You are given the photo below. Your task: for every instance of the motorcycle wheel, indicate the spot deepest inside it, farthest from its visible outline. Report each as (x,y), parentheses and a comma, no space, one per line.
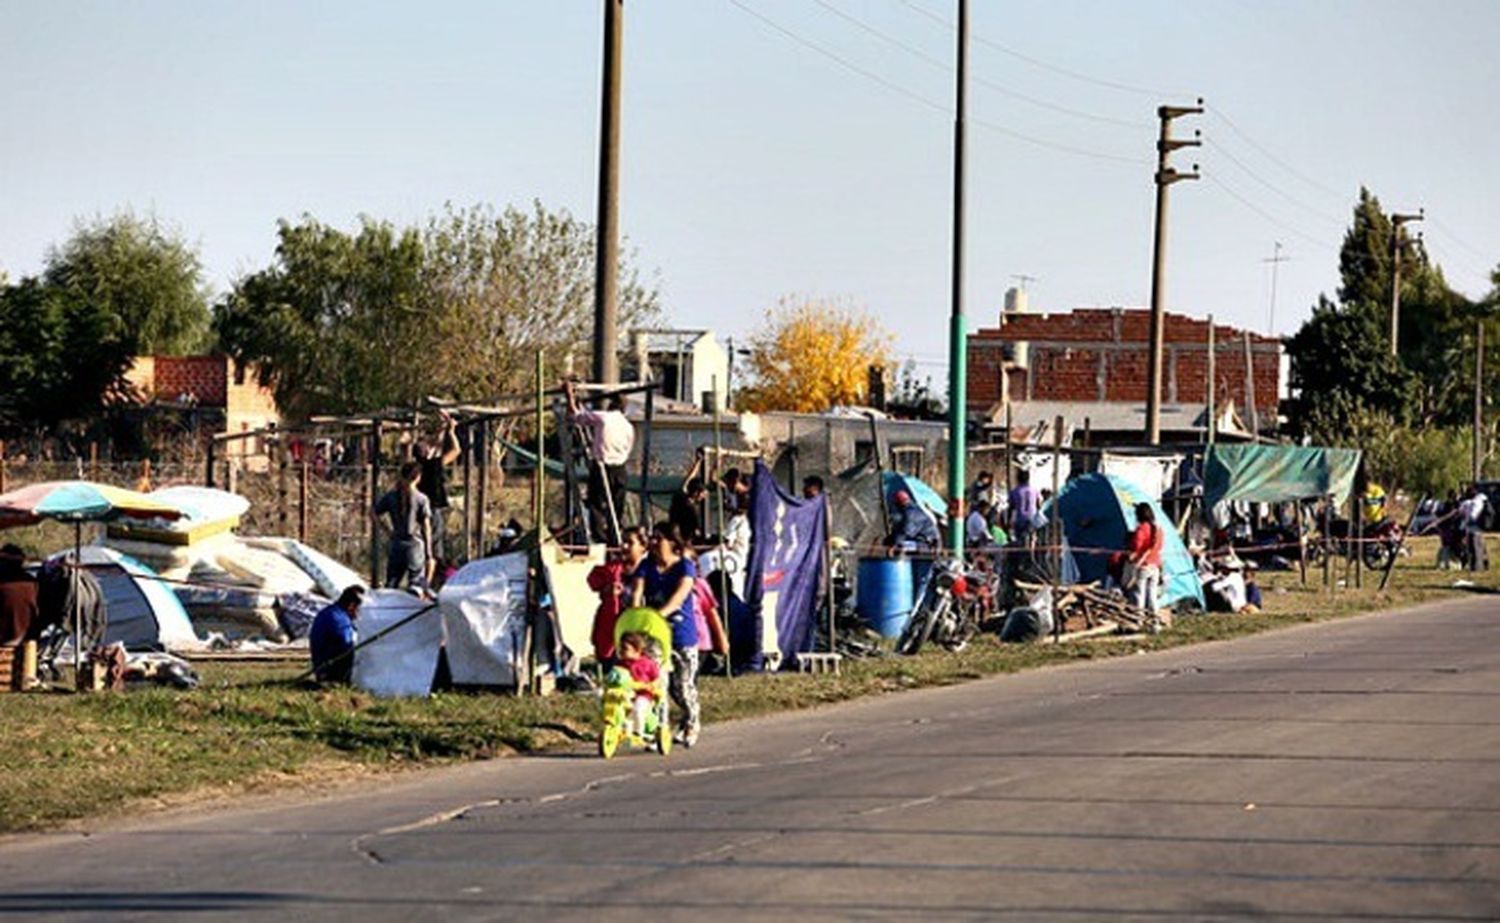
(919,629)
(1378,555)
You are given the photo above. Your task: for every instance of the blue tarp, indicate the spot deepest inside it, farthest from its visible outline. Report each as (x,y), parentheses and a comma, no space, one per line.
(927,498)
(1098,514)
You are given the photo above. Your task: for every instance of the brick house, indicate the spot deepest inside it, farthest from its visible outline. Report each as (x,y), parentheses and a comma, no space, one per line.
(1101,356)
(228,393)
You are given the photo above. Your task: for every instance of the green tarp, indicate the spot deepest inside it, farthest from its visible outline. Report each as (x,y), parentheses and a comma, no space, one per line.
(1274,473)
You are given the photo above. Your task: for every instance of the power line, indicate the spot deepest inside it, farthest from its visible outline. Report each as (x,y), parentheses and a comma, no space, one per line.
(1271,186)
(1044,65)
(1447,232)
(919,98)
(990,84)
(1229,123)
(1291,229)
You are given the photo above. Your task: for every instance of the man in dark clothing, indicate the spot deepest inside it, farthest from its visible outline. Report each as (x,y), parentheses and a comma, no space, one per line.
(436,456)
(18,597)
(812,487)
(332,638)
(684,511)
(410,530)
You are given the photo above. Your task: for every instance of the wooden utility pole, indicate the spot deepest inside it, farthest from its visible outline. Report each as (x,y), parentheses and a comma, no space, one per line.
(1250,388)
(1397,220)
(1166,175)
(374,481)
(607,249)
(1478,466)
(1212,381)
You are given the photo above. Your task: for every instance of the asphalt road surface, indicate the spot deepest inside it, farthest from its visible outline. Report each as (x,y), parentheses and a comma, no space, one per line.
(1349,770)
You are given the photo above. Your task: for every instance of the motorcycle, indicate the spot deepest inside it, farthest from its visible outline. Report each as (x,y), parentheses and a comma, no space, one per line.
(949,611)
(1379,545)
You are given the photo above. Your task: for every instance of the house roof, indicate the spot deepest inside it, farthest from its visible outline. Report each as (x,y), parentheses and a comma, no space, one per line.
(1116,416)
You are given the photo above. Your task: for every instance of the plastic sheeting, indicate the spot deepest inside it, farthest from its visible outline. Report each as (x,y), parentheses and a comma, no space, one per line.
(484,617)
(1154,474)
(1097,513)
(403,662)
(1273,474)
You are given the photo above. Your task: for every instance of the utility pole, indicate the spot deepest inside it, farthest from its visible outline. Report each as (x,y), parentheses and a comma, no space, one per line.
(1166,175)
(607,248)
(1276,259)
(1478,399)
(1212,381)
(958,359)
(1397,220)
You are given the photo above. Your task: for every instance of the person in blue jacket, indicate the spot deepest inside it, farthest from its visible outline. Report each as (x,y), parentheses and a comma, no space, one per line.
(332,637)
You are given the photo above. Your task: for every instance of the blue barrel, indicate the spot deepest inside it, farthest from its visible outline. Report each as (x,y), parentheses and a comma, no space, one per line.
(883,594)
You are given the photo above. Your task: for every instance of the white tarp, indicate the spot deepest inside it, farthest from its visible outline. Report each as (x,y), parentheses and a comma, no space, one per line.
(404,661)
(484,617)
(1153,474)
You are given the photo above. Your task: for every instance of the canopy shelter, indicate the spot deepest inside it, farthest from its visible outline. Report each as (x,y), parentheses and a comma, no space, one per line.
(1275,474)
(78,502)
(1098,515)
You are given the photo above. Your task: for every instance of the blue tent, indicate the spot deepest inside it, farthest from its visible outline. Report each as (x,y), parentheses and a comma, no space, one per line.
(1098,513)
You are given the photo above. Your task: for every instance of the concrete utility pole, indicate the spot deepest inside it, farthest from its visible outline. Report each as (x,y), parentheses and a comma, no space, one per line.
(607,249)
(1397,220)
(958,361)
(1165,176)
(1276,259)
(1213,372)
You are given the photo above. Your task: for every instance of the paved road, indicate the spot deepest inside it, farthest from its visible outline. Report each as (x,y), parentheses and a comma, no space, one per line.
(1346,771)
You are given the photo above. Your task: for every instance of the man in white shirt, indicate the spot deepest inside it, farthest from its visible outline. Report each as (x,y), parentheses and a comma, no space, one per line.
(611,437)
(1472,513)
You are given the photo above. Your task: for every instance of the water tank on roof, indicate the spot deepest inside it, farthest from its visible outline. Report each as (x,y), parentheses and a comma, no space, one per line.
(1015,301)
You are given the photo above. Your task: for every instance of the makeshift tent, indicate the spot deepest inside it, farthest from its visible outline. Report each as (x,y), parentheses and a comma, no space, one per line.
(1154,474)
(1098,513)
(784,575)
(1273,473)
(927,498)
(404,661)
(142,612)
(484,619)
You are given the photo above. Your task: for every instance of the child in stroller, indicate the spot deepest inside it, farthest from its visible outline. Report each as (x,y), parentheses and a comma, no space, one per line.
(634,704)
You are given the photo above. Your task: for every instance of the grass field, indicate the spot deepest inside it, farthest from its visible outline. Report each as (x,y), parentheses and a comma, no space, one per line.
(249,728)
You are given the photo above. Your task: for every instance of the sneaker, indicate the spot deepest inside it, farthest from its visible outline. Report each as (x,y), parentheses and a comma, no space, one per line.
(690,738)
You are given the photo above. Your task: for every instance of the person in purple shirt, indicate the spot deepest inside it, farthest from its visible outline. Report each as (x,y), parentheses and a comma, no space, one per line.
(664,581)
(1025,503)
(332,638)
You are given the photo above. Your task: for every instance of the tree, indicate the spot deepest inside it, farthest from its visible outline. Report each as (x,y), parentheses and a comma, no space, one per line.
(340,323)
(812,355)
(142,273)
(60,356)
(386,316)
(1341,365)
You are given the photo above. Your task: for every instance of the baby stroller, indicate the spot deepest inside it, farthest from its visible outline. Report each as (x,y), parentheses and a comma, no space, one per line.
(615,724)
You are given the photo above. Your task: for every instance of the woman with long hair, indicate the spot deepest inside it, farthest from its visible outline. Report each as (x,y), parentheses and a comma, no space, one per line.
(1144,561)
(410,530)
(614,581)
(664,581)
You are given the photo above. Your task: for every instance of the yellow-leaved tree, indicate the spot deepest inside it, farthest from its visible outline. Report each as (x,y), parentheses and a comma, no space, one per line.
(813,354)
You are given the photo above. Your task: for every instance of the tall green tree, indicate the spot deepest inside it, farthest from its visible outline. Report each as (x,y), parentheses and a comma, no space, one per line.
(141,272)
(61,357)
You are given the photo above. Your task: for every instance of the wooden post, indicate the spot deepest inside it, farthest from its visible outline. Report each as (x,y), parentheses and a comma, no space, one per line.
(1250,389)
(482,489)
(374,485)
(539,477)
(282,516)
(1302,541)
(303,472)
(93,461)
(719,494)
(1009,462)
(468,447)
(1328,542)
(1054,523)
(828,464)
(791,440)
(1357,527)
(208,465)
(885,514)
(1213,384)
(646,457)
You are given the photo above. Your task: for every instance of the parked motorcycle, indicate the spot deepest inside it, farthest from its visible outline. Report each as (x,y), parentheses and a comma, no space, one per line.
(949,612)
(1380,543)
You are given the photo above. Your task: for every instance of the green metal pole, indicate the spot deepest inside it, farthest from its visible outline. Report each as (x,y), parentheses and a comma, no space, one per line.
(957,330)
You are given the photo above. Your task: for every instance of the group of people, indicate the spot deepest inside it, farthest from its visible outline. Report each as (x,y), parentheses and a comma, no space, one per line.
(1461,522)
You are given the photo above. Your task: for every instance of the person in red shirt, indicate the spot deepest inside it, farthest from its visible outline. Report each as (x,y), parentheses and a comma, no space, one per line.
(1143,566)
(608,580)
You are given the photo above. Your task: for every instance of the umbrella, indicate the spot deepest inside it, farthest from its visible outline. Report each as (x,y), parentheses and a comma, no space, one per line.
(79,502)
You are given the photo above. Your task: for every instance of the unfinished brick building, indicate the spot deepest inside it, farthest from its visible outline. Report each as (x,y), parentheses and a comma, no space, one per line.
(229,393)
(1101,356)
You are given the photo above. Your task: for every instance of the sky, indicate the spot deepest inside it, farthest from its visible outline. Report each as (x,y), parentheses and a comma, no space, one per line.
(777,148)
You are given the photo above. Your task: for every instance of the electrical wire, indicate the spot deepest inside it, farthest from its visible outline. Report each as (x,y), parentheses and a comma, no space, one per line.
(1044,65)
(990,84)
(1210,142)
(1289,228)
(923,100)
(1229,123)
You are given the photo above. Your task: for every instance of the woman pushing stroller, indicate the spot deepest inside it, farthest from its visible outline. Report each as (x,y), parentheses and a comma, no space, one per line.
(664,582)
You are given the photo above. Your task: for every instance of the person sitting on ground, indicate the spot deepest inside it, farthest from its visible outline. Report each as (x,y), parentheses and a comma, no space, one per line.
(912,528)
(332,638)
(611,581)
(410,514)
(812,487)
(643,673)
(684,511)
(977,525)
